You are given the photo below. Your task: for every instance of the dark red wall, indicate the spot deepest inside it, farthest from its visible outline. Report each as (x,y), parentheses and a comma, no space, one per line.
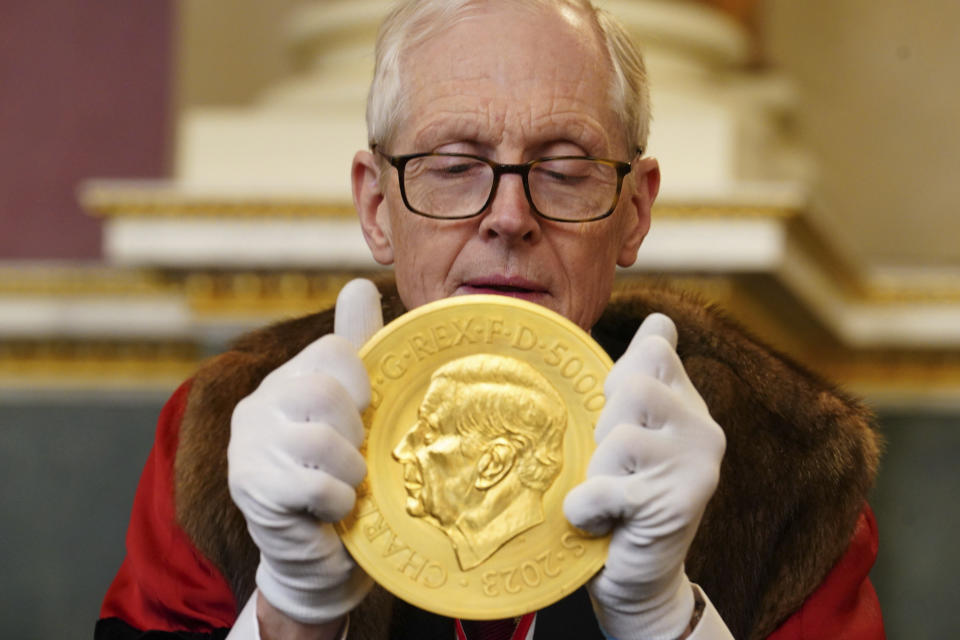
(85,91)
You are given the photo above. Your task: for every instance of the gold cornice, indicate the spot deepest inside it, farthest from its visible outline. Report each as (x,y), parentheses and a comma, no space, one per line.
(734,211)
(254,208)
(95,363)
(760,304)
(213,292)
(900,296)
(107,201)
(254,298)
(224,300)
(893,378)
(81,280)
(853,284)
(165,199)
(251,294)
(219,208)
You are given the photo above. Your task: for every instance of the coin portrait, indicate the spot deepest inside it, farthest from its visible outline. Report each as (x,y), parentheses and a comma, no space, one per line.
(481,420)
(486,445)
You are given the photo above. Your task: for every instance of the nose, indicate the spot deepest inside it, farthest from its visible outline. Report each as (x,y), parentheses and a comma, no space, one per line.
(403,450)
(510,216)
(406,448)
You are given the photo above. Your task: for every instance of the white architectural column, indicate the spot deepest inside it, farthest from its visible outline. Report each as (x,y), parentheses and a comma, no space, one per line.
(716,128)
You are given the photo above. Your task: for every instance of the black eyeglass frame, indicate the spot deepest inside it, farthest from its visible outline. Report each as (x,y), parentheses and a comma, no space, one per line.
(523,170)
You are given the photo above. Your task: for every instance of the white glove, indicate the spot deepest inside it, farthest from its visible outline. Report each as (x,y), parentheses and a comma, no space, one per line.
(655,468)
(294,465)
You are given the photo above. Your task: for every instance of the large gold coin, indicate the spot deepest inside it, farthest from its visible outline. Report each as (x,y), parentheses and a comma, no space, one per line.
(481,420)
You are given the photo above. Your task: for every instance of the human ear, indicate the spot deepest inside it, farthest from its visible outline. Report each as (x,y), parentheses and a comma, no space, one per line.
(642,193)
(494,463)
(368,199)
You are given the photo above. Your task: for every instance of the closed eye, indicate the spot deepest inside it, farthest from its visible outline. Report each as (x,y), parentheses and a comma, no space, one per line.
(565,178)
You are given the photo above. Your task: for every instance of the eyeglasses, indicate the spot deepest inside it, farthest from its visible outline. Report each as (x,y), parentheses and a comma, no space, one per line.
(453,186)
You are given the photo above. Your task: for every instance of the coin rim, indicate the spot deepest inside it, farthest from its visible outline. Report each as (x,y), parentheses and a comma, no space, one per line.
(485,298)
(526,307)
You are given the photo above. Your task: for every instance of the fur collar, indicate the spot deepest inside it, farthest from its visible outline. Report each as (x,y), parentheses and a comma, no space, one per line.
(801,457)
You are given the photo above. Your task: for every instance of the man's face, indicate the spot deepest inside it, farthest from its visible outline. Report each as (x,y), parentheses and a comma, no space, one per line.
(439,468)
(511,85)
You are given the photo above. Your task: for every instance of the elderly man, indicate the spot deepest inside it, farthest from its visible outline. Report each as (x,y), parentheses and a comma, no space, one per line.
(506,157)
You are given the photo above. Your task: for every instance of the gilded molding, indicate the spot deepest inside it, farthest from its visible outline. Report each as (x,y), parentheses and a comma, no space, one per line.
(257,294)
(222,209)
(69,280)
(733,211)
(223,297)
(26,363)
(119,202)
(152,202)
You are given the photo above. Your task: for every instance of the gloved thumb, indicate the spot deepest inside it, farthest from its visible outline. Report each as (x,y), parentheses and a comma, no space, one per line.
(358,315)
(656,324)
(595,505)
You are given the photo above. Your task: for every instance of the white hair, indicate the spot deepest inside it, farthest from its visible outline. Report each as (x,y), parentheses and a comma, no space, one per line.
(412,22)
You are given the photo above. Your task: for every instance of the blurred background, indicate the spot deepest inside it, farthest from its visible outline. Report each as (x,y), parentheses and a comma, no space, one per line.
(174,173)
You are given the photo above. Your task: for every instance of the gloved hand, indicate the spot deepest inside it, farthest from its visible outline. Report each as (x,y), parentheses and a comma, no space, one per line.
(655,468)
(294,465)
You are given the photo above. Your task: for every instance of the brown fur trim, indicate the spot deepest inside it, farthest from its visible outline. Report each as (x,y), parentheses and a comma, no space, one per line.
(801,457)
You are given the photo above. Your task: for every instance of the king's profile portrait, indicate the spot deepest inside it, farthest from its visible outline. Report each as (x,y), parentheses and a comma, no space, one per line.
(486,446)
